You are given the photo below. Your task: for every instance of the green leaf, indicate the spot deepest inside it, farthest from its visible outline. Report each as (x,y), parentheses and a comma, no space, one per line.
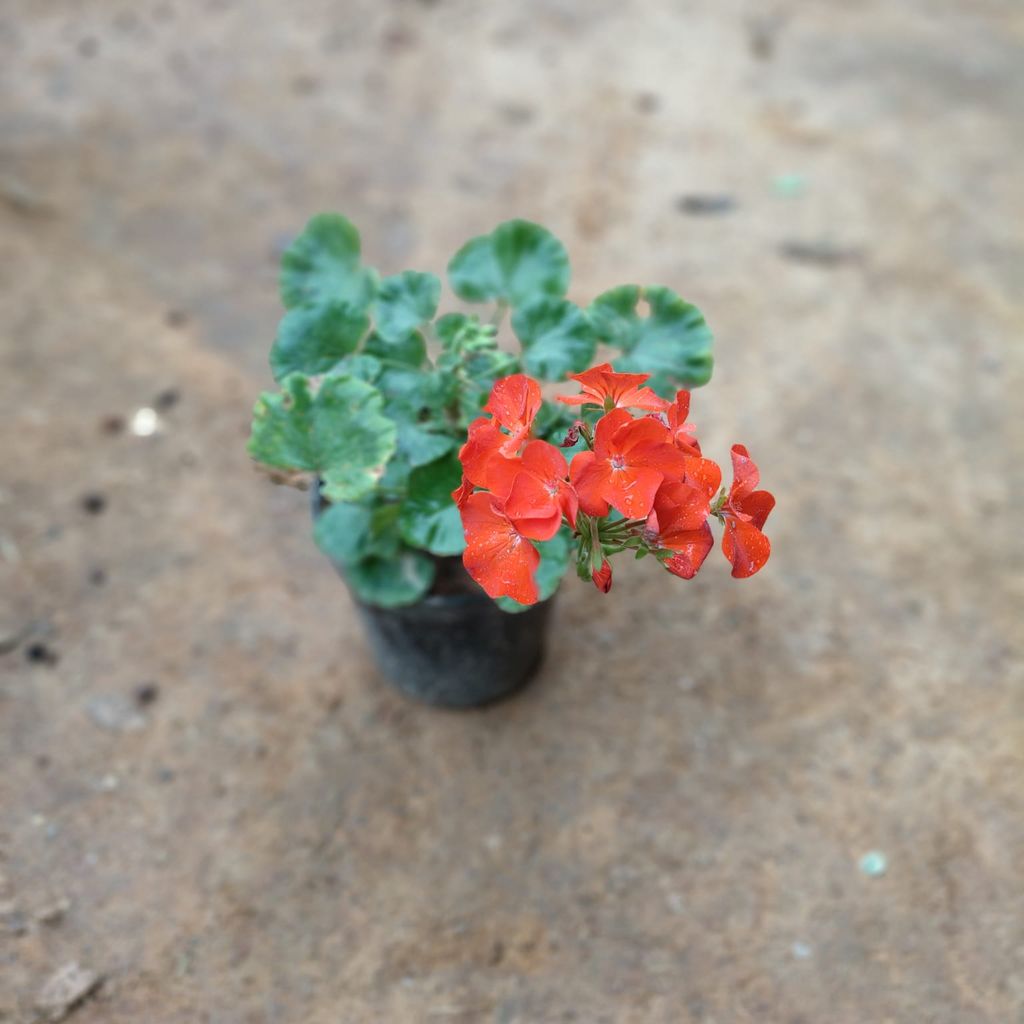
(402,579)
(673,343)
(412,394)
(410,350)
(322,265)
(343,532)
(555,555)
(405,302)
(338,431)
(358,365)
(429,518)
(420,445)
(311,340)
(517,262)
(557,338)
(613,315)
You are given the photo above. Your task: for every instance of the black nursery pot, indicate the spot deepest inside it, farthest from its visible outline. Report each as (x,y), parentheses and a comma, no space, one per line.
(456,648)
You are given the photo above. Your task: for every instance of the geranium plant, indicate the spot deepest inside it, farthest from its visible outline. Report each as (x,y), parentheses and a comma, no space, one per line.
(390,410)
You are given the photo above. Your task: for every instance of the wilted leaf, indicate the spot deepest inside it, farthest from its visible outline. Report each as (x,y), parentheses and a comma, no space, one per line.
(338,431)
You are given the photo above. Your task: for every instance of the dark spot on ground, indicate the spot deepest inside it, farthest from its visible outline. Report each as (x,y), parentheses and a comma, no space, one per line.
(97,576)
(647,102)
(146,693)
(127,22)
(167,399)
(41,654)
(823,254)
(176,318)
(516,113)
(399,37)
(762,33)
(88,47)
(705,205)
(94,503)
(112,424)
(304,85)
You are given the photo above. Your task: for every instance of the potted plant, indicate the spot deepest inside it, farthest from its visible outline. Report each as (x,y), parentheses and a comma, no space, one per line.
(451,495)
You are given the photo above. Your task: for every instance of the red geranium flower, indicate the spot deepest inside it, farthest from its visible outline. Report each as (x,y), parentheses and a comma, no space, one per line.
(537,484)
(499,555)
(603,577)
(630,460)
(744,513)
(604,387)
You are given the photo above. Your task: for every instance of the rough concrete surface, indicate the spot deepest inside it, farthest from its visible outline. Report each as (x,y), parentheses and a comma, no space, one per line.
(208,799)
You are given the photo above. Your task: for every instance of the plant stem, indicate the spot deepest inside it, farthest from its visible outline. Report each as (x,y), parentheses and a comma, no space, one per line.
(500,309)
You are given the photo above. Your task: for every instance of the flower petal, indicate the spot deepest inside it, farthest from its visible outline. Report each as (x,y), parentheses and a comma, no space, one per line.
(588,475)
(630,490)
(514,402)
(757,506)
(704,474)
(745,476)
(483,443)
(745,546)
(530,498)
(540,527)
(680,508)
(606,428)
(497,556)
(691,550)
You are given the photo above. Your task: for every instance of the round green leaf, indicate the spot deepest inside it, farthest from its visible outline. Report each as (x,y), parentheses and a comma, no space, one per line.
(405,302)
(557,338)
(517,262)
(323,265)
(311,340)
(402,579)
(554,560)
(338,431)
(673,344)
(428,517)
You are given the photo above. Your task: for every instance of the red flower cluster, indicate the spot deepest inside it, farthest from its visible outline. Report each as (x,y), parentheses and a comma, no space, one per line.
(648,468)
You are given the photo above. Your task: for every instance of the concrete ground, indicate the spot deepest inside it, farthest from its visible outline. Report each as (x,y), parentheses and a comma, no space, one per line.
(208,799)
